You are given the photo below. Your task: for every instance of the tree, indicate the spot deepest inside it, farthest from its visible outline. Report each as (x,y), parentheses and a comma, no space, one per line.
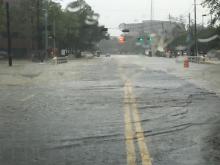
(77,26)
(56,18)
(2,16)
(84,31)
(214,6)
(21,15)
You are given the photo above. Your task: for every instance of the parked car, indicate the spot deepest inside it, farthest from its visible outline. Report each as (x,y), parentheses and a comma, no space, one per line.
(98,53)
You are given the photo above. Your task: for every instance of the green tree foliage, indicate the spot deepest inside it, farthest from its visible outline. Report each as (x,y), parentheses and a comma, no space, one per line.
(2,16)
(21,15)
(206,33)
(183,40)
(77,26)
(83,31)
(214,6)
(180,40)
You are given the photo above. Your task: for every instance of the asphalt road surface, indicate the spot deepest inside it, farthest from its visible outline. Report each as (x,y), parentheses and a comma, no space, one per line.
(106,111)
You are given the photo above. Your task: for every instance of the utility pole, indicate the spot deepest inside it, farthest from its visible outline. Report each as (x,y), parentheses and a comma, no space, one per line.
(189,51)
(8,34)
(151,15)
(189,21)
(202,22)
(54,34)
(46,28)
(170,18)
(151,27)
(151,11)
(195,31)
(164,31)
(38,26)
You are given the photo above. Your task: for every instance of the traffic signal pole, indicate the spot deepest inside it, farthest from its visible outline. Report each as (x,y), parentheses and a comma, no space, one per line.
(8,34)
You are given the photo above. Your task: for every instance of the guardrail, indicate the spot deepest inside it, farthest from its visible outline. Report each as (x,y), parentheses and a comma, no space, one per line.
(60,60)
(197,59)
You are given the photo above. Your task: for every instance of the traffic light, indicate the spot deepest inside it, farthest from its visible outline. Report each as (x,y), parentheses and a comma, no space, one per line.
(121,39)
(140,39)
(149,39)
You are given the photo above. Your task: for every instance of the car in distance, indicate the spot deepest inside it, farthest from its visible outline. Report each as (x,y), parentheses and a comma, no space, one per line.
(107,55)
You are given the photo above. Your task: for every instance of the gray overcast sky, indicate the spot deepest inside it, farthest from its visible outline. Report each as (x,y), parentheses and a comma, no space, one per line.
(114,12)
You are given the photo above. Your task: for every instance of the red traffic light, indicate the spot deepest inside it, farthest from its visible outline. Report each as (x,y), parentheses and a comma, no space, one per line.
(121,39)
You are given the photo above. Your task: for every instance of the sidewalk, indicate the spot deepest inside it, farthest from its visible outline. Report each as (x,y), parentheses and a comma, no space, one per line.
(25,72)
(203,75)
(215,62)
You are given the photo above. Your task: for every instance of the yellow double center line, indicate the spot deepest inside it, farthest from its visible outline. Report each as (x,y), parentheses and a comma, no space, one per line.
(133,128)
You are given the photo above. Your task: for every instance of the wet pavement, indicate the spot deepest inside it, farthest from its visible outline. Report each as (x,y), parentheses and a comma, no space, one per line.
(118,110)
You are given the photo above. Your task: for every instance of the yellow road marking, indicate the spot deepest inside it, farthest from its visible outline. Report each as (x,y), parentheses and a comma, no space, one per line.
(145,155)
(131,112)
(129,135)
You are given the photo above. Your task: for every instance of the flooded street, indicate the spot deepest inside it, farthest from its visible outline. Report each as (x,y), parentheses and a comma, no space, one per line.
(118,110)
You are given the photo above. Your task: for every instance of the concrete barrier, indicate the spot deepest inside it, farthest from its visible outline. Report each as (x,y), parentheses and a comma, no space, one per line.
(60,60)
(197,59)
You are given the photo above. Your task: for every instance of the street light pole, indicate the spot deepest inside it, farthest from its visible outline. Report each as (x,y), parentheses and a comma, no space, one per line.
(190,32)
